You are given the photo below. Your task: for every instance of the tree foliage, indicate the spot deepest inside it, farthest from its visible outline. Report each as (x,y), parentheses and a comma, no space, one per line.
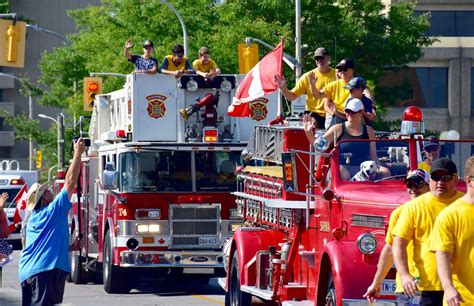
(359,29)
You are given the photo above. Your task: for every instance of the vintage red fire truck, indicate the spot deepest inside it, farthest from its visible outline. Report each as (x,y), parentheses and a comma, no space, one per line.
(311,237)
(155,186)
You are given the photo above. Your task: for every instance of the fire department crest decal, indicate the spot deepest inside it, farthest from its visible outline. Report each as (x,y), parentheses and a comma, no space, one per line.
(156,106)
(258,109)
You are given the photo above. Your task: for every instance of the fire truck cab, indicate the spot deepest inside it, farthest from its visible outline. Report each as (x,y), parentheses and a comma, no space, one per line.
(155,186)
(312,237)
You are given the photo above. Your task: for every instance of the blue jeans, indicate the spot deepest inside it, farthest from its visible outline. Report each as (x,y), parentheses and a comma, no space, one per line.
(427,298)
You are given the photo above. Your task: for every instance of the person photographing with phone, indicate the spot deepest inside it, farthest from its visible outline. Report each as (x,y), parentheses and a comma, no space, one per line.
(44,263)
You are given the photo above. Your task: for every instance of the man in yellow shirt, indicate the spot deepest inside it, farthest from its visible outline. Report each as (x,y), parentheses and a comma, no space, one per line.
(453,242)
(319,77)
(431,149)
(417,183)
(204,65)
(415,225)
(176,64)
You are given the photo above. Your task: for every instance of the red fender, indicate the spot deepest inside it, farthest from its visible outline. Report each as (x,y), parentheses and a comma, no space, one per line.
(246,242)
(352,270)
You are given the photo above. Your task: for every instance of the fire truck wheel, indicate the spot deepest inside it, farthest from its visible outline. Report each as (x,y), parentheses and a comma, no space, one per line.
(331,292)
(78,275)
(115,280)
(236,296)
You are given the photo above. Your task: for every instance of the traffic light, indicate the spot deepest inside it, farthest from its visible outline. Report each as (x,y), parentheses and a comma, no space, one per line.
(12,51)
(248,57)
(92,87)
(39,157)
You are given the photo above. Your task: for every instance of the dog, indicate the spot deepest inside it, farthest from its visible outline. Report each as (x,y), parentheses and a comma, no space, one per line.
(368,171)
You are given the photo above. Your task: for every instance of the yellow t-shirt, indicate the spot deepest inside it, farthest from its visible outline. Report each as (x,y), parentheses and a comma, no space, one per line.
(424,166)
(389,240)
(303,87)
(415,224)
(336,92)
(453,233)
(172,66)
(210,66)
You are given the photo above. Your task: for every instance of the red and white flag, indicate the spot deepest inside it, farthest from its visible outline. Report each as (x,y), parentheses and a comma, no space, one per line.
(258,82)
(20,209)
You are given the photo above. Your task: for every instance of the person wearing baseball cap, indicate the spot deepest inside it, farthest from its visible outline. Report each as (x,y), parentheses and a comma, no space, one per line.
(452,241)
(356,87)
(143,63)
(44,263)
(415,226)
(417,183)
(310,84)
(431,150)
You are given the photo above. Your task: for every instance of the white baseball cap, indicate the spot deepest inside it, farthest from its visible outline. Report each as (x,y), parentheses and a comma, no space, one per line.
(354,105)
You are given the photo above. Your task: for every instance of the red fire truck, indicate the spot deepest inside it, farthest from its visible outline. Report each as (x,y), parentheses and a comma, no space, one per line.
(155,186)
(311,237)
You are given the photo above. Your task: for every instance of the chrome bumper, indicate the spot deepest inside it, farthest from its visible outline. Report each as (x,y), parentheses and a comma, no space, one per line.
(172,259)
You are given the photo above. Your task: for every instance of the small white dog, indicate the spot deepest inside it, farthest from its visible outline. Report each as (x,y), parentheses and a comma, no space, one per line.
(368,171)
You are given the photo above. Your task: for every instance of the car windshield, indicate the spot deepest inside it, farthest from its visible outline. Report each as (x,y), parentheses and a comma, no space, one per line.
(12,192)
(172,171)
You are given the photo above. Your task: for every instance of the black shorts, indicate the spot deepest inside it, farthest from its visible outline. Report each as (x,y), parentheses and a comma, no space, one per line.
(320,120)
(336,119)
(45,288)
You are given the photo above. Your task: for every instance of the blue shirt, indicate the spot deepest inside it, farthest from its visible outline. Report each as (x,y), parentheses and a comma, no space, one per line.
(47,239)
(142,63)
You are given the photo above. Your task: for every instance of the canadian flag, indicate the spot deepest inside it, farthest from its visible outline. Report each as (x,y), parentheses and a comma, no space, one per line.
(258,82)
(20,199)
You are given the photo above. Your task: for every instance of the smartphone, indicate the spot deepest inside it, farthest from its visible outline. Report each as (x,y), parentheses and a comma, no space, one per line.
(87,141)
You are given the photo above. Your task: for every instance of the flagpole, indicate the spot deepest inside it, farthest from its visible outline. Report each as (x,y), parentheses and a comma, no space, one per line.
(298,69)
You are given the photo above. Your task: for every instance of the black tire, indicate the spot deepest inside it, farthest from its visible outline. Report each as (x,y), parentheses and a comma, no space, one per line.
(331,291)
(78,274)
(236,296)
(115,280)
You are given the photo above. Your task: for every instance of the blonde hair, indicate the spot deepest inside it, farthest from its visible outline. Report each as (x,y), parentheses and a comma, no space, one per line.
(203,50)
(469,167)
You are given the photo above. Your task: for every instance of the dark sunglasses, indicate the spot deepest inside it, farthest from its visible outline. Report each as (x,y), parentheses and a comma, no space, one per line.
(442,178)
(148,47)
(416,185)
(179,54)
(319,58)
(348,111)
(342,68)
(431,149)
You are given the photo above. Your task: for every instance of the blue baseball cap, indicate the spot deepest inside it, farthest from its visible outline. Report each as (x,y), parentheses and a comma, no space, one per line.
(148,43)
(356,82)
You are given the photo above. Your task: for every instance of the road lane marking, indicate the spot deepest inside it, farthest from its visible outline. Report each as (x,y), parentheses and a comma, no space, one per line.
(203,297)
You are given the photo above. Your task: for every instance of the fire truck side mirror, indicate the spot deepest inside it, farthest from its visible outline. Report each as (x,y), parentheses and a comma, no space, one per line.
(108,176)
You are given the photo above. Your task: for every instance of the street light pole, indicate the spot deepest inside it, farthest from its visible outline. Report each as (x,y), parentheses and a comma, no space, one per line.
(60,128)
(183,26)
(30,117)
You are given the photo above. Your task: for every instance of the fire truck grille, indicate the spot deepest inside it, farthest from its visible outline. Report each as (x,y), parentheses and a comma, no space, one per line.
(195,226)
(368,221)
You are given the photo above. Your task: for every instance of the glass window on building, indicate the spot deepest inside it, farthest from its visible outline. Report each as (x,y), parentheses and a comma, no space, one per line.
(472,92)
(418,86)
(450,23)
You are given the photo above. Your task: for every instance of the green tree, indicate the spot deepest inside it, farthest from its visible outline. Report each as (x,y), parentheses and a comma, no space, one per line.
(359,29)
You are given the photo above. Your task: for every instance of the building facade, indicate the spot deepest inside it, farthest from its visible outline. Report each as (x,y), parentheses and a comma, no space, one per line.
(442,81)
(50,15)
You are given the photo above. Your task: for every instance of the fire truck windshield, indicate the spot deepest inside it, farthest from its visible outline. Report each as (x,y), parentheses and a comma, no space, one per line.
(177,171)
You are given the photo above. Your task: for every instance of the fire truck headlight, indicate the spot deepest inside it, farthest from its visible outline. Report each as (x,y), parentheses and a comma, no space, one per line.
(367,243)
(154,228)
(226,86)
(142,228)
(192,85)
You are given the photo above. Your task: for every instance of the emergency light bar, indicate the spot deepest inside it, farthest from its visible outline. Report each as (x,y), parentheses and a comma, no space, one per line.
(412,121)
(210,134)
